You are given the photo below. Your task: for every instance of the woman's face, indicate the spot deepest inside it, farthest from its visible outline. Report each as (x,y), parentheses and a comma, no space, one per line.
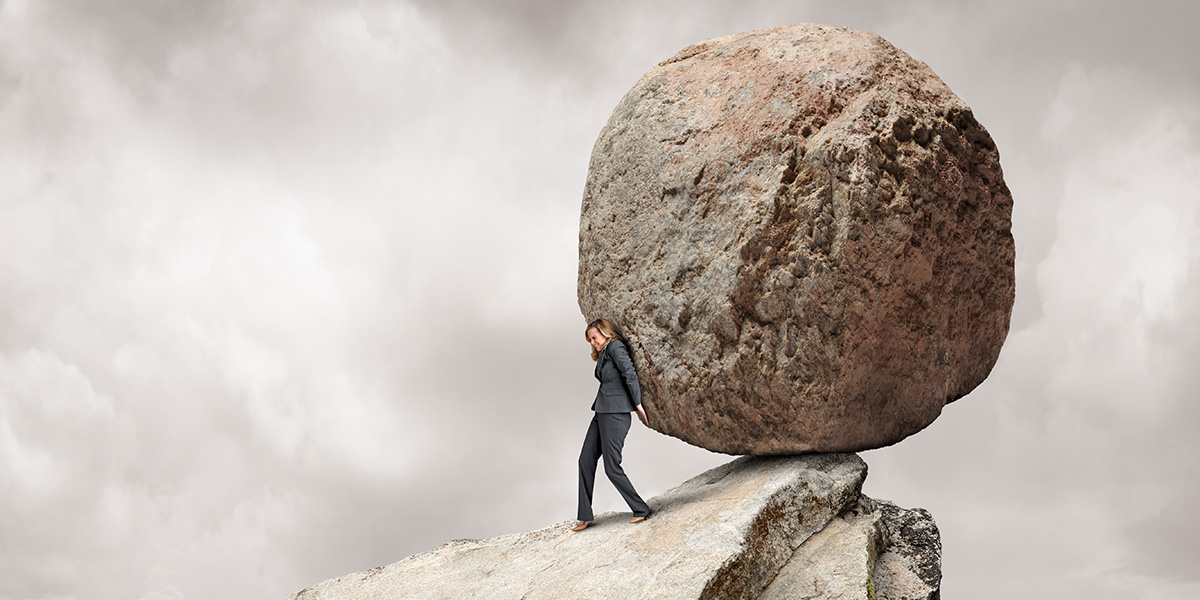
(596,339)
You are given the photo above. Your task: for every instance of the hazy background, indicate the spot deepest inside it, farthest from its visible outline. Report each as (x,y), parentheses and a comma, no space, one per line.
(287,289)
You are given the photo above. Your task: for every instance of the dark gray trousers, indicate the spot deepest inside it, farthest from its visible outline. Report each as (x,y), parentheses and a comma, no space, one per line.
(606,437)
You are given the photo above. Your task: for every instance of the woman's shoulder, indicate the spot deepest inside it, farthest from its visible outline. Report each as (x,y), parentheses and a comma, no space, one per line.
(618,347)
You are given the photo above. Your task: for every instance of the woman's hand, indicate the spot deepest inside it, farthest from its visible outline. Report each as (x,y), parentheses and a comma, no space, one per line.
(642,415)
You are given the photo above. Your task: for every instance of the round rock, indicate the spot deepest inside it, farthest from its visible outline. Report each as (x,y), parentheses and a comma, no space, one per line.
(805,237)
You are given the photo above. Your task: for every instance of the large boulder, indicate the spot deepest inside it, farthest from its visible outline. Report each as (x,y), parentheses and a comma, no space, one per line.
(755,527)
(805,236)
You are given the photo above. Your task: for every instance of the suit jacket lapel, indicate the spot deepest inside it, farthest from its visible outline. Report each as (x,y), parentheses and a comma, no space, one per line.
(600,360)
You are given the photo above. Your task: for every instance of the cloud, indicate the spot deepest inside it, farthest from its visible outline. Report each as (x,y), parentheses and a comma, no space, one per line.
(187,287)
(288,291)
(274,251)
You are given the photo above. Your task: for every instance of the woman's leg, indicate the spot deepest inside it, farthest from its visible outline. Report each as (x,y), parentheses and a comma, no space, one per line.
(613,429)
(587,469)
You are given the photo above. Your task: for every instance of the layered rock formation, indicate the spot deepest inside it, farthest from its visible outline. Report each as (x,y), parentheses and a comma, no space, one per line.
(805,235)
(758,527)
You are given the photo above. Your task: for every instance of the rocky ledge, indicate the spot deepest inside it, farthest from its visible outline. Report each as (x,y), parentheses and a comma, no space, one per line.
(757,527)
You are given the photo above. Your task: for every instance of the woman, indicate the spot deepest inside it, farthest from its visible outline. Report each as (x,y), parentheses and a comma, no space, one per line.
(618,396)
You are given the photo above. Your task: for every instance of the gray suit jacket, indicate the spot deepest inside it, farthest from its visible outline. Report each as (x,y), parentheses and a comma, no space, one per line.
(619,390)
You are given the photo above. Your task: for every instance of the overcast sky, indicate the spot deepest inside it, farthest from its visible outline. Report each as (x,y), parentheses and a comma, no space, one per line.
(287,289)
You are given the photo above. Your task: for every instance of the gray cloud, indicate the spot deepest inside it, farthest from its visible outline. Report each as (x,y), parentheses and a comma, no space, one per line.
(288,292)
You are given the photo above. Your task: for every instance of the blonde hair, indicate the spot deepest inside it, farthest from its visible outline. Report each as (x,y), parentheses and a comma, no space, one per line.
(606,329)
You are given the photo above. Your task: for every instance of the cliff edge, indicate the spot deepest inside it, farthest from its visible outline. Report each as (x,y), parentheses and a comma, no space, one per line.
(754,528)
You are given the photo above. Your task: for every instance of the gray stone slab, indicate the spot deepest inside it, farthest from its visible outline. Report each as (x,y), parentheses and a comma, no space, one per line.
(723,534)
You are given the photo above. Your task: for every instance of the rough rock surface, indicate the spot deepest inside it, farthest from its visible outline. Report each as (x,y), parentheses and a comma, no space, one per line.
(805,235)
(847,549)
(910,566)
(874,550)
(727,533)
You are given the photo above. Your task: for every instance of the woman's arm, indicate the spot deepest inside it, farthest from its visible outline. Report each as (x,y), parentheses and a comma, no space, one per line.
(620,356)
